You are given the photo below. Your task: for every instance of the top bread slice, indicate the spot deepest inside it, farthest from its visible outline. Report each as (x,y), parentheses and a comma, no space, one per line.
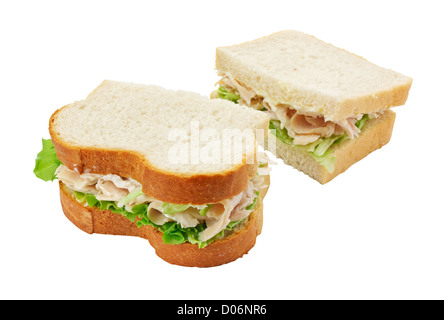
(290,67)
(134,130)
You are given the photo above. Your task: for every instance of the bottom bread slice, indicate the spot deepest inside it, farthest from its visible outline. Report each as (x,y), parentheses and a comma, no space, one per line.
(227,249)
(375,134)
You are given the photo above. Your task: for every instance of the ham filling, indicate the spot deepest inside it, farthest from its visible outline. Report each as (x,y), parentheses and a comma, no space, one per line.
(303,128)
(112,187)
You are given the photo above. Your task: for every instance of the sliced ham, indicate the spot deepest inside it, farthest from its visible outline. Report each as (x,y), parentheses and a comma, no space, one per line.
(155,214)
(304,129)
(108,191)
(246,93)
(188,218)
(304,139)
(302,124)
(218,217)
(77,182)
(240,210)
(112,187)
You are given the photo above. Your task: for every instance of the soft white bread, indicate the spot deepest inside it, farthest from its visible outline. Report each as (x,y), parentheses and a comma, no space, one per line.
(375,134)
(294,68)
(233,246)
(130,130)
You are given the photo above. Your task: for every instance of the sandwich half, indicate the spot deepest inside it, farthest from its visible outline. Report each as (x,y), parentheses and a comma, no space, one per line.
(328,108)
(145,161)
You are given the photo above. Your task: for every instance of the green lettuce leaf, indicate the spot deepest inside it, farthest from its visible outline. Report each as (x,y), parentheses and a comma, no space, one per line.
(46,162)
(130,197)
(171,208)
(253,204)
(324,144)
(232,224)
(360,122)
(203,212)
(80,196)
(141,213)
(92,202)
(280,133)
(172,233)
(227,95)
(321,150)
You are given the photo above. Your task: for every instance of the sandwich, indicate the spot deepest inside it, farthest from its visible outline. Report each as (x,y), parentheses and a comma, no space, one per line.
(126,165)
(328,108)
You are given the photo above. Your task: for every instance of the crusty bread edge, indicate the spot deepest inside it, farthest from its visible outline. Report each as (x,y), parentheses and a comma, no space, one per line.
(375,134)
(163,185)
(228,249)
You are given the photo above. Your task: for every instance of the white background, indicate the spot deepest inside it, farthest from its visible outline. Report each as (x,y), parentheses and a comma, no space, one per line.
(375,232)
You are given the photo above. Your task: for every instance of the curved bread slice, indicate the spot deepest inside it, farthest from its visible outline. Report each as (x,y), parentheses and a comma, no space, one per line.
(133,131)
(375,134)
(230,248)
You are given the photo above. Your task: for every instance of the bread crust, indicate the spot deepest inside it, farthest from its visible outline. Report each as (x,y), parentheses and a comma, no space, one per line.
(163,185)
(375,134)
(228,249)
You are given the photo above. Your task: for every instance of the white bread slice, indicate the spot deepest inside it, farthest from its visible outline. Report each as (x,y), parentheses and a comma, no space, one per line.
(123,128)
(375,134)
(290,67)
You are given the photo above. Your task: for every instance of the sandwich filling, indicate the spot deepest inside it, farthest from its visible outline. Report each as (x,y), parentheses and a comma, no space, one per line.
(310,132)
(197,224)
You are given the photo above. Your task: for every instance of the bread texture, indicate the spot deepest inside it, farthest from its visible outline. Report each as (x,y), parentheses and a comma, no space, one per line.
(314,77)
(225,250)
(125,129)
(375,134)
